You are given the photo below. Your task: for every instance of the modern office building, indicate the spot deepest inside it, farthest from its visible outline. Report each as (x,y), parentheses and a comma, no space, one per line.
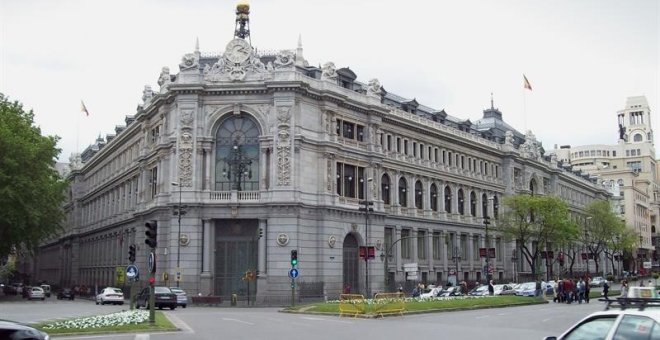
(266,154)
(630,168)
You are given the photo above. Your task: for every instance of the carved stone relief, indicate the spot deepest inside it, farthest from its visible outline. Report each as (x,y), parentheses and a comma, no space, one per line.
(238,63)
(284,59)
(283,146)
(329,72)
(374,88)
(185,157)
(189,61)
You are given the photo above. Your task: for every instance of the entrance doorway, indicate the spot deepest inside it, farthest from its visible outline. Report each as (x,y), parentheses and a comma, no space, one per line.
(351,261)
(235,253)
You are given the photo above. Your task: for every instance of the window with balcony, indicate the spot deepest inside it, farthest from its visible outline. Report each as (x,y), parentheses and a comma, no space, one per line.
(403,188)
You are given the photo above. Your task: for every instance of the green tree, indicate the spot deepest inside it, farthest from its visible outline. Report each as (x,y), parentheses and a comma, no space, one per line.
(536,223)
(31,191)
(601,229)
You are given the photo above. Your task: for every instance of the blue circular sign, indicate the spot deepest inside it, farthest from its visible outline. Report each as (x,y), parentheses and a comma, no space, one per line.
(293,273)
(131,271)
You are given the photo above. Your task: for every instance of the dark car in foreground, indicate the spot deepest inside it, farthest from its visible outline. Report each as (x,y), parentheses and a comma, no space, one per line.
(16,331)
(66,293)
(163,298)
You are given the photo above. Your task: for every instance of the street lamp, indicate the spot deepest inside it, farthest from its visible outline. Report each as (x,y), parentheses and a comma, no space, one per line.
(514,259)
(238,165)
(366,206)
(179,212)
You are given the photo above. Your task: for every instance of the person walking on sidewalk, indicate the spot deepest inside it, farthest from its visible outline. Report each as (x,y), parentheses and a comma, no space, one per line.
(606,289)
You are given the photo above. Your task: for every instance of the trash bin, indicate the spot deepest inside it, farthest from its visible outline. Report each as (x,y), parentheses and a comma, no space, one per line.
(234,299)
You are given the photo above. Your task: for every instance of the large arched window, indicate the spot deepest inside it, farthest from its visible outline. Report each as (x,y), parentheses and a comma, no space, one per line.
(638,137)
(473,204)
(532,186)
(433,198)
(385,189)
(419,195)
(448,199)
(403,188)
(461,202)
(237,154)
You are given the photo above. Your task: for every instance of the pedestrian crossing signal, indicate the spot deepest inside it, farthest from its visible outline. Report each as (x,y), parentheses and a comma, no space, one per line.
(294,258)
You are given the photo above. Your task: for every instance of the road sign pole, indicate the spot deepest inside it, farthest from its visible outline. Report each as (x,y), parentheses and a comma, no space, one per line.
(152,300)
(293,293)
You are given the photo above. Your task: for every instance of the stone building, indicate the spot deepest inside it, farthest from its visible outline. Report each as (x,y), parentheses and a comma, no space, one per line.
(266,154)
(630,169)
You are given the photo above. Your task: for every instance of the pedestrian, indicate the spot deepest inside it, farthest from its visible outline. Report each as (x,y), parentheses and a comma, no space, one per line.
(560,290)
(580,290)
(606,289)
(587,289)
(624,288)
(491,288)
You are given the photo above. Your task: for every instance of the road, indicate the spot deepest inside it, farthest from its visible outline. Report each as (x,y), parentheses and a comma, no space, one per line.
(527,322)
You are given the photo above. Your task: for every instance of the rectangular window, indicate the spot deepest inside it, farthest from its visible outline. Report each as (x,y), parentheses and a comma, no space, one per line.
(398,144)
(414,147)
(348,130)
(153,181)
(405,146)
(350,181)
(405,243)
(437,246)
(360,133)
(421,244)
(613,153)
(155,133)
(389,143)
(449,157)
(475,247)
(464,247)
(389,236)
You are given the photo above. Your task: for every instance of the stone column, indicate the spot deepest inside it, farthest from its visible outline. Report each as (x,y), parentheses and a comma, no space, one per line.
(206,278)
(207,169)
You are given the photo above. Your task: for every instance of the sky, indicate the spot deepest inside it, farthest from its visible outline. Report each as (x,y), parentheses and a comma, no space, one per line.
(583,58)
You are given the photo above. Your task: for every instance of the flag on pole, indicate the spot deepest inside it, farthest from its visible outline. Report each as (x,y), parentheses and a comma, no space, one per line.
(526,83)
(83,108)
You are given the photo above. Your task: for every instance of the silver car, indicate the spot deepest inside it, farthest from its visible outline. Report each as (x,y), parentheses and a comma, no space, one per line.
(181,296)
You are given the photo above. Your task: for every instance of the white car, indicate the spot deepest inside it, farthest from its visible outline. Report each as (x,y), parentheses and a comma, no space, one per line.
(597,281)
(638,318)
(432,291)
(35,293)
(110,295)
(181,296)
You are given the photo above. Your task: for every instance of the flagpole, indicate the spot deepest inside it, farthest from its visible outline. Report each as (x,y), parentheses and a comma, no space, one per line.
(524,110)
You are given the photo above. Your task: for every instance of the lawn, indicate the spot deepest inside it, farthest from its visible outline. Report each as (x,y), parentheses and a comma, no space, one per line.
(432,304)
(127,321)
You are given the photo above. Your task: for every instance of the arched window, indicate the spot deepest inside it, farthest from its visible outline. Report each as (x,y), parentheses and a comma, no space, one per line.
(448,199)
(638,137)
(385,189)
(433,198)
(237,154)
(496,207)
(403,187)
(473,204)
(419,195)
(461,202)
(532,186)
(484,205)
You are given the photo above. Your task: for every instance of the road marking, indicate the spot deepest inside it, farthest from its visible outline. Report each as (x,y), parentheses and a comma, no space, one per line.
(180,324)
(141,336)
(546,320)
(324,319)
(482,316)
(237,320)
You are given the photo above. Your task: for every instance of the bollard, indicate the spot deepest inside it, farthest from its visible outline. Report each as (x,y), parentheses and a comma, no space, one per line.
(234,298)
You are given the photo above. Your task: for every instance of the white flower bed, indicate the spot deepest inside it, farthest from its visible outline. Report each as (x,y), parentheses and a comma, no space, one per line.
(114,319)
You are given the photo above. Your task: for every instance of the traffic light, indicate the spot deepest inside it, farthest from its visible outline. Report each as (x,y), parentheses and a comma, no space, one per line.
(151,233)
(261,232)
(131,253)
(294,258)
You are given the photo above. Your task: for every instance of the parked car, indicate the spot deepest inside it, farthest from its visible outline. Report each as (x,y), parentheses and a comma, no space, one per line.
(527,289)
(66,293)
(110,295)
(597,281)
(503,289)
(431,291)
(35,293)
(9,290)
(46,289)
(15,330)
(163,297)
(451,291)
(636,319)
(512,291)
(479,291)
(181,296)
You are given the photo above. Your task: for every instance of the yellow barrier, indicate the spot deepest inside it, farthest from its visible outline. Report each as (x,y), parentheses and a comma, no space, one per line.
(351,304)
(387,303)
